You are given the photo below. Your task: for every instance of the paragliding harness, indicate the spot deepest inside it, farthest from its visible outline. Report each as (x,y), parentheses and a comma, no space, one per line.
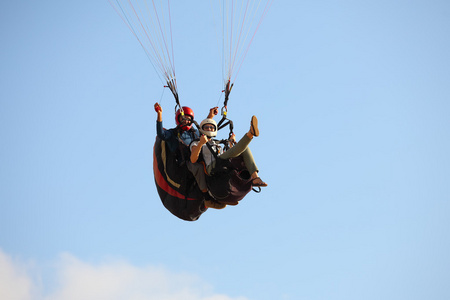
(229,181)
(176,185)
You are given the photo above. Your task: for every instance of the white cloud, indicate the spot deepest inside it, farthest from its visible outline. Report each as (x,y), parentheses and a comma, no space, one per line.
(15,283)
(113,280)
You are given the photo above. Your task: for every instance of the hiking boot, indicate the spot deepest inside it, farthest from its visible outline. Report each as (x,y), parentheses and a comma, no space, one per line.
(254,126)
(214,204)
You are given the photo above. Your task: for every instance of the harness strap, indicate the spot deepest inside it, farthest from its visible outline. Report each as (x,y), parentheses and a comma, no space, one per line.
(212,150)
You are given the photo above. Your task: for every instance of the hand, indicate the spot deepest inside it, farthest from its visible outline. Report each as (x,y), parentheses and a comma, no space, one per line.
(214,111)
(232,138)
(158,108)
(203,139)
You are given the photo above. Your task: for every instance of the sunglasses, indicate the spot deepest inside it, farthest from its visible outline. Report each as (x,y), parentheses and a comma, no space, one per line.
(209,127)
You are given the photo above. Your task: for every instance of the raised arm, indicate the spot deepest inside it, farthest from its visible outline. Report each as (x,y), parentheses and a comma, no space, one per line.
(158,110)
(212,112)
(160,131)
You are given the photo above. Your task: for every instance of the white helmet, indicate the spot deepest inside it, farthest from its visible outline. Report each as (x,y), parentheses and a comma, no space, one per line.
(207,132)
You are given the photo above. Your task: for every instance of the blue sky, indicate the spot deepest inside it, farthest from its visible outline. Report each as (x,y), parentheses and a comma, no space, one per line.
(353,104)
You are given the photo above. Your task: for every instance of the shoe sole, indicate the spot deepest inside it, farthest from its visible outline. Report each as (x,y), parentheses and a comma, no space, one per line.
(254,124)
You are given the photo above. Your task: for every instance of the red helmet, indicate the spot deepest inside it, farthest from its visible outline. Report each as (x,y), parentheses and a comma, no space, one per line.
(187,112)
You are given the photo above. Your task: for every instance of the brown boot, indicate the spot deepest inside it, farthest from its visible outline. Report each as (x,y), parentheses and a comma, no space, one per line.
(254,126)
(258,182)
(214,204)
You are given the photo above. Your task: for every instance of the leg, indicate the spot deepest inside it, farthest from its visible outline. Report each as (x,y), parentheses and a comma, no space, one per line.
(249,161)
(243,143)
(237,149)
(198,171)
(252,168)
